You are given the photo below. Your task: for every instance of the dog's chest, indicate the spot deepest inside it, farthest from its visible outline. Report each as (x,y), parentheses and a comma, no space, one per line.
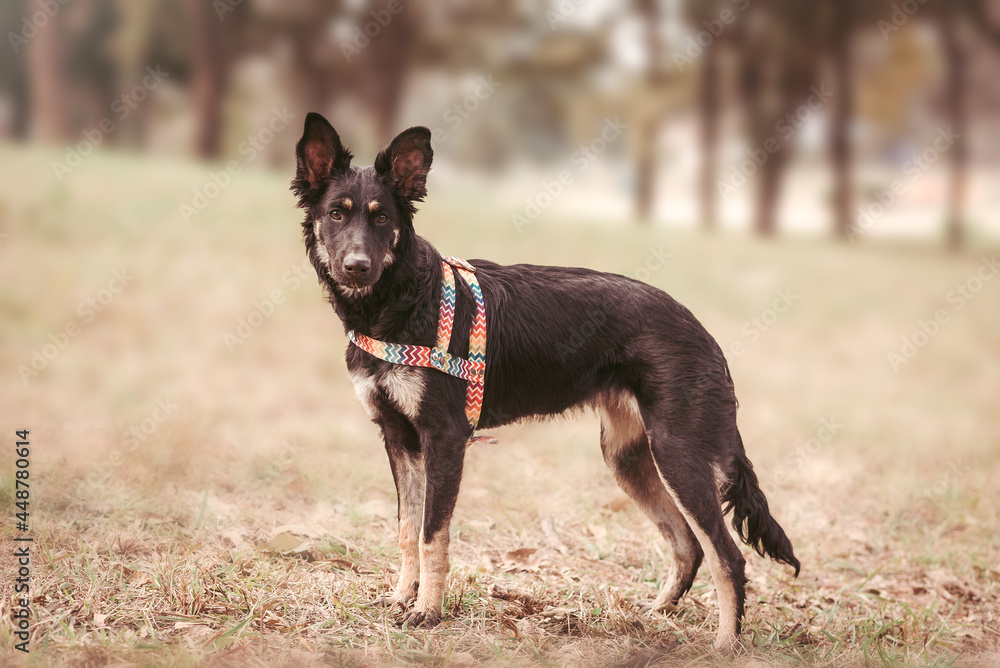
(404,386)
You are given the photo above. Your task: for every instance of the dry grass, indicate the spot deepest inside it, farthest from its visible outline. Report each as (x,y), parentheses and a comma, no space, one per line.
(162,551)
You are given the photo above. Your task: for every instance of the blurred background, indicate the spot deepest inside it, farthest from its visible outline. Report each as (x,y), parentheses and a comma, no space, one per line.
(818,180)
(773,115)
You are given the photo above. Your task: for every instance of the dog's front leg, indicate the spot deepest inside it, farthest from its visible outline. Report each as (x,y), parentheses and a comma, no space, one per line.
(444,454)
(403,447)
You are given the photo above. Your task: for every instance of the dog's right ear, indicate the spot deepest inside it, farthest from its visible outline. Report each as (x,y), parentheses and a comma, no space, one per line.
(319,155)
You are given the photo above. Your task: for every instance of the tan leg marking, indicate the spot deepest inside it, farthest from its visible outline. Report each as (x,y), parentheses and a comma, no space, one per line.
(621,423)
(622,429)
(724,591)
(434,568)
(411,510)
(409,571)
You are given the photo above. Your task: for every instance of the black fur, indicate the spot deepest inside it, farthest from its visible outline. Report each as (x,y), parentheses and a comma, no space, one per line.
(557,338)
(751,516)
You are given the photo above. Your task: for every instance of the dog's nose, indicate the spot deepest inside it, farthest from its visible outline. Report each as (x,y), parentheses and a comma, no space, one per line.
(357,264)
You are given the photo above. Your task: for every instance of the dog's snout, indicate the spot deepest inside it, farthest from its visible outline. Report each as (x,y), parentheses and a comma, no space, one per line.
(357,264)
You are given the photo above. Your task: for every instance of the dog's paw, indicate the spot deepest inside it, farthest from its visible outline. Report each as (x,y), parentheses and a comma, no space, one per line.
(425,619)
(400,599)
(387,602)
(650,607)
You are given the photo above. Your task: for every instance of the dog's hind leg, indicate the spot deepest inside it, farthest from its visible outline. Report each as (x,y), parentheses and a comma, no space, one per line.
(680,451)
(626,452)
(403,447)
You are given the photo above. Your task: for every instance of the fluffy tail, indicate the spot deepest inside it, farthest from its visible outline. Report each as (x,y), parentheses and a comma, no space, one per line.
(751,517)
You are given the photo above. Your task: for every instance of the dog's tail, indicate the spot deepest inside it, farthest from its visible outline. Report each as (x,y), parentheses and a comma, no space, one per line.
(751,516)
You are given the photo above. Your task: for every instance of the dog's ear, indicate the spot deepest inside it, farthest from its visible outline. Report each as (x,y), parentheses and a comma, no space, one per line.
(406,161)
(319,155)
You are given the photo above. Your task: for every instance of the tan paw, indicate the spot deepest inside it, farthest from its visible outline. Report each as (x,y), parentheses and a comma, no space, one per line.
(426,619)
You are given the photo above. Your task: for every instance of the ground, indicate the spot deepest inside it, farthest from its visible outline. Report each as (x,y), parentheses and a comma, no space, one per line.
(205,488)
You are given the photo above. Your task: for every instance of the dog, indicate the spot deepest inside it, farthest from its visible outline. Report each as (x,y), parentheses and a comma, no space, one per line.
(657,378)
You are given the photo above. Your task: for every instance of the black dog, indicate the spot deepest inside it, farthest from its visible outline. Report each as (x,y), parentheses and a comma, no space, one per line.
(658,379)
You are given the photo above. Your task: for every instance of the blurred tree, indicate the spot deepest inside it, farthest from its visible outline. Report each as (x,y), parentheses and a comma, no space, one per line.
(955,20)
(360,51)
(46,68)
(779,55)
(955,58)
(13,70)
(651,115)
(711,112)
(842,27)
(386,65)
(709,109)
(212,55)
(952,18)
(783,45)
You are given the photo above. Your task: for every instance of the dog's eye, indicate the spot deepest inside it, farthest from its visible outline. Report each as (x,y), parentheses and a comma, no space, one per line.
(336,214)
(382,218)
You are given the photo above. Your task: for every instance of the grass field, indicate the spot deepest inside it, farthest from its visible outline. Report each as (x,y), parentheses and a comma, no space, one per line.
(204,497)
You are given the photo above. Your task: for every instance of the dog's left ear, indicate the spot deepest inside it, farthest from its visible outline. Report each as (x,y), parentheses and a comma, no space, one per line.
(406,161)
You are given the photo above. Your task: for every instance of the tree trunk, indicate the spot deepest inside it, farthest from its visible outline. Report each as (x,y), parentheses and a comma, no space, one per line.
(645,166)
(387,63)
(768,194)
(210,57)
(840,145)
(645,191)
(45,74)
(957,115)
(710,112)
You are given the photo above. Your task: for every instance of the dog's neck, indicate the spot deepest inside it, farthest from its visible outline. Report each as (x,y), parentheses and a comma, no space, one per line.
(400,307)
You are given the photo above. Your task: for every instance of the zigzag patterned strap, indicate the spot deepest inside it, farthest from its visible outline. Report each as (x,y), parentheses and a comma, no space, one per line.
(446,316)
(472,370)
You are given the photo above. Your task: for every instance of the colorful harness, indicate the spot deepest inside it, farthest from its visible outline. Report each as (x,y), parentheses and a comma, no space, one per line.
(472,370)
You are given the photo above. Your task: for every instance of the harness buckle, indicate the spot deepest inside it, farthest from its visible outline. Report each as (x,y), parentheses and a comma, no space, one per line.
(437,359)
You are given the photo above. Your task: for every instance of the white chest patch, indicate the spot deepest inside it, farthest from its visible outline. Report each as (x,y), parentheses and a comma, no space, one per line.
(405,387)
(364,388)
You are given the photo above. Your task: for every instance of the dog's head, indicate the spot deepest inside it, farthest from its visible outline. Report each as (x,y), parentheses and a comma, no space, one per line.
(358,218)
